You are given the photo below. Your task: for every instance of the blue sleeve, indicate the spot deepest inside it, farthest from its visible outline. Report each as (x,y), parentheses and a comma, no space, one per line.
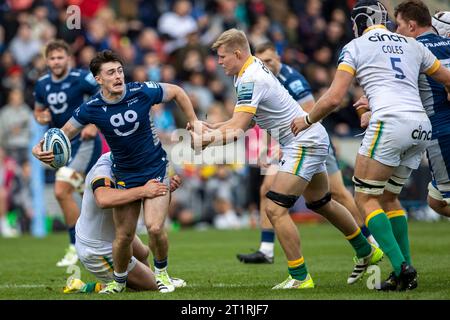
(299,87)
(154,91)
(88,83)
(80,116)
(38,96)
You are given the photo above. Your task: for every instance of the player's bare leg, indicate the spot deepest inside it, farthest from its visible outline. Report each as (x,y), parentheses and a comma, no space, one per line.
(155,213)
(332,210)
(125,221)
(341,194)
(140,250)
(286,189)
(370,177)
(319,200)
(141,277)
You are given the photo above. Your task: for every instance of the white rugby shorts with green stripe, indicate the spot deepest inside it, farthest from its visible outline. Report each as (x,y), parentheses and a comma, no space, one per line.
(394,141)
(303,161)
(98,260)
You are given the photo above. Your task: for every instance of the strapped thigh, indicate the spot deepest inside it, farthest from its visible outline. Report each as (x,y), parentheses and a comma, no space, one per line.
(398,179)
(366,186)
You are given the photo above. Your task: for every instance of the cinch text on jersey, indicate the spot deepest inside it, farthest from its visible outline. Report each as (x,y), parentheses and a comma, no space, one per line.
(387,37)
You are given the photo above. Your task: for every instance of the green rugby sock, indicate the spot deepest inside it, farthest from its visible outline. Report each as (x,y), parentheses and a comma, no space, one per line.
(297,269)
(381,229)
(399,226)
(359,243)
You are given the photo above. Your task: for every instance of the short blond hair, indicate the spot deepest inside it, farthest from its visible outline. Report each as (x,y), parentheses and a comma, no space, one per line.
(232,39)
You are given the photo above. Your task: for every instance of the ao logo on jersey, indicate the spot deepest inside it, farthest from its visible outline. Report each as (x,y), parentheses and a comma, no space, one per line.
(118,120)
(57,99)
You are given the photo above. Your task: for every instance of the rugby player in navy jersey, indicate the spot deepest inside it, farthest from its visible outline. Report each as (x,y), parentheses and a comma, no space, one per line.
(121,111)
(57,94)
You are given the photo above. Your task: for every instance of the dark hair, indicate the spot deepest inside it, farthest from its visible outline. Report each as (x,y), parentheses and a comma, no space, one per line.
(265,46)
(102,57)
(56,45)
(414,10)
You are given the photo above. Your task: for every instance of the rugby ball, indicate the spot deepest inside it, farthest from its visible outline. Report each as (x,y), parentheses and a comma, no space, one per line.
(441,22)
(56,140)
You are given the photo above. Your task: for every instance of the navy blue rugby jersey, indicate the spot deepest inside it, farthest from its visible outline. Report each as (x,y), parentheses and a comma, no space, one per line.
(127,127)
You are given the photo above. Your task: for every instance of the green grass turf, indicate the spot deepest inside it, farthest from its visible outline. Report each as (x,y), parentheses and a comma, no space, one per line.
(207,261)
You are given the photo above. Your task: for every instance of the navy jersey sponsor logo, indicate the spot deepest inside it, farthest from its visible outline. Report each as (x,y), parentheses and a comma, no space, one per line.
(119,120)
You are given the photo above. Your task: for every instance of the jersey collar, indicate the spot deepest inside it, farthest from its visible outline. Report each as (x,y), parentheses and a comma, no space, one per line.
(114,102)
(426,33)
(248,62)
(377,26)
(69,70)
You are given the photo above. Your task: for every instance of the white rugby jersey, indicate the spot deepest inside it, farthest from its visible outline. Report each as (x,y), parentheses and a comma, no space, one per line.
(95,226)
(259,92)
(387,66)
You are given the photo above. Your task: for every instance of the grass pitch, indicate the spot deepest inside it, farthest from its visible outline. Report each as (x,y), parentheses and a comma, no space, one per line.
(207,261)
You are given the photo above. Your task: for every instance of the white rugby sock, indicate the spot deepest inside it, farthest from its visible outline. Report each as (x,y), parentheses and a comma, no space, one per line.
(267,248)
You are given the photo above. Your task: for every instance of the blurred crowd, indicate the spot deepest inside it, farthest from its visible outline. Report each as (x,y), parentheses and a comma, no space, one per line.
(167,41)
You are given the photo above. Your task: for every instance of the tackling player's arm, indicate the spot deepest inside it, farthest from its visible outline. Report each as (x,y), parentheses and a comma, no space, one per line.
(327,103)
(106,196)
(228,132)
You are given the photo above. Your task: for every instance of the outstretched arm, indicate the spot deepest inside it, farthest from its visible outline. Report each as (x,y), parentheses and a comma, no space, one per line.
(108,197)
(228,132)
(327,103)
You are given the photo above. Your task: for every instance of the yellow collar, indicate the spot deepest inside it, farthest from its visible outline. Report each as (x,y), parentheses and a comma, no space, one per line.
(246,64)
(374,27)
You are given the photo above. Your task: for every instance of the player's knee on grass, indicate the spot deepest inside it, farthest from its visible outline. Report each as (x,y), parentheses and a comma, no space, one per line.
(439,206)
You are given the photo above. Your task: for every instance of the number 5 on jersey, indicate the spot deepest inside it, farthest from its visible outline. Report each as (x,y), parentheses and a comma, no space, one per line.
(400,74)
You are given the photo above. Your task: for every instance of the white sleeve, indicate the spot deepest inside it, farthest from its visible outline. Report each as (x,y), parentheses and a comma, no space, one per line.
(347,61)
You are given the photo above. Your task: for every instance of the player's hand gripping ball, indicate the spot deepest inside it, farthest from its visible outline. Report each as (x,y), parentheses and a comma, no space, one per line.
(56,140)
